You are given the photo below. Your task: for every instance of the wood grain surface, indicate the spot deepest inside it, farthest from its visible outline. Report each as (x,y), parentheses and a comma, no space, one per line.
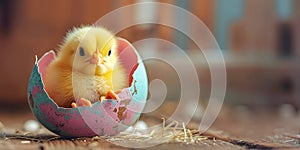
(233,129)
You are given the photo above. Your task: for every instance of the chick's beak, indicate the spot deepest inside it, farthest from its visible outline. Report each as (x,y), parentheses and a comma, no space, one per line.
(96,58)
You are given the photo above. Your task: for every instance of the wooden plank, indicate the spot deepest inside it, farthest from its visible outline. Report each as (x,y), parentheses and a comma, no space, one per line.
(256,129)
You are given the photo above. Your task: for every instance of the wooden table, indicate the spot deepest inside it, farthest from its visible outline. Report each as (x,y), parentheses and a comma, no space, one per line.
(253,128)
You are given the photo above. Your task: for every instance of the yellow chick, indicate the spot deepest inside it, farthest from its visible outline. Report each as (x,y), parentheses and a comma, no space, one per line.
(86,67)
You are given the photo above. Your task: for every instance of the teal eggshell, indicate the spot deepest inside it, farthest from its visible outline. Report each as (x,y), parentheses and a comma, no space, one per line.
(108,117)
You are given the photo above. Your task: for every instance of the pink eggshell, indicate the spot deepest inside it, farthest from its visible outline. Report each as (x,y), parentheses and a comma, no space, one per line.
(108,117)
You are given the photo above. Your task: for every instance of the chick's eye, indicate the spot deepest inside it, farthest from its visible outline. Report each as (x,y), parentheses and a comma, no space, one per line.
(81,51)
(109,52)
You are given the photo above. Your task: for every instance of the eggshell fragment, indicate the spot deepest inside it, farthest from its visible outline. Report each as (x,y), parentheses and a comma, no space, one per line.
(31,126)
(108,117)
(141,125)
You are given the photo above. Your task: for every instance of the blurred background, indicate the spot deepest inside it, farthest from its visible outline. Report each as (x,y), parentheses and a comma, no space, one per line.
(260,41)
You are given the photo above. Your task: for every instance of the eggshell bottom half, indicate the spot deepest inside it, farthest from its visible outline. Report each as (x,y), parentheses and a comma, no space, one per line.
(108,117)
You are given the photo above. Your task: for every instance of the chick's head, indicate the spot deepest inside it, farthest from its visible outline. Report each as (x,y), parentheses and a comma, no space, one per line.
(91,50)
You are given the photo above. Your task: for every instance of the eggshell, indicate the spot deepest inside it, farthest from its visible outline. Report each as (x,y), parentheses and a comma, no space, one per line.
(31,126)
(108,117)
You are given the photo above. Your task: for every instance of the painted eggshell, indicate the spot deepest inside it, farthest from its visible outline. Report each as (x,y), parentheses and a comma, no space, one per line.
(108,117)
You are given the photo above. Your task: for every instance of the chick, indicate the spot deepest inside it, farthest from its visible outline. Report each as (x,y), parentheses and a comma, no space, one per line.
(86,67)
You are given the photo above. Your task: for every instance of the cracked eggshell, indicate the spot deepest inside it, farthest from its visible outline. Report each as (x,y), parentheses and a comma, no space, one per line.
(108,117)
